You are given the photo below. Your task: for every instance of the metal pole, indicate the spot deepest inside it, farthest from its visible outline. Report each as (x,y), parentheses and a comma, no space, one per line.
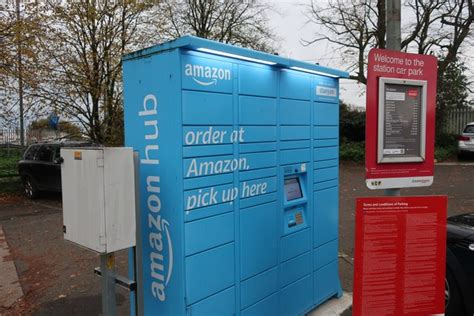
(107,267)
(393,14)
(392,192)
(138,266)
(394,39)
(20,74)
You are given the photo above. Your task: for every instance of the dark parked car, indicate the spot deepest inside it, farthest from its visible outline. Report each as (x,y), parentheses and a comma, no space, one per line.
(40,168)
(459,291)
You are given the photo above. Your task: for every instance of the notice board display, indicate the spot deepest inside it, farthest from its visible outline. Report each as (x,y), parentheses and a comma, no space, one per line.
(400,253)
(400,119)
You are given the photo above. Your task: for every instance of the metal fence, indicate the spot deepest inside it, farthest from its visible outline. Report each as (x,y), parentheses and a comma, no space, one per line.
(9,136)
(12,136)
(456,119)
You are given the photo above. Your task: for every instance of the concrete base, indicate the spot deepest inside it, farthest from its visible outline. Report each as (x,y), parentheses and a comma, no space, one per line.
(333,307)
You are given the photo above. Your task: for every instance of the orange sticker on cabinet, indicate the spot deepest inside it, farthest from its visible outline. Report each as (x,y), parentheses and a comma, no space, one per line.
(77,155)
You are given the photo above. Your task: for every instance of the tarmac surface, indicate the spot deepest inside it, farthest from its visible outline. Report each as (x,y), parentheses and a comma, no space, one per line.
(57,277)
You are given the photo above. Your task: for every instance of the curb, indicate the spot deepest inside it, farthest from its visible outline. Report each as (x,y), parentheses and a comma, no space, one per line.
(10,288)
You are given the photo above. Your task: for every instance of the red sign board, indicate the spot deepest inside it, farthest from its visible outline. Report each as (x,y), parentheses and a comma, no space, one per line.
(400,119)
(400,253)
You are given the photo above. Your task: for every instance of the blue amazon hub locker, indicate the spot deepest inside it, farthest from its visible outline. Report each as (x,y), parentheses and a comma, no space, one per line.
(238,155)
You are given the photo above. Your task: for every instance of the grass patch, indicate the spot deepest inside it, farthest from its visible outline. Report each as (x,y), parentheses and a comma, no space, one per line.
(10,182)
(352,152)
(10,185)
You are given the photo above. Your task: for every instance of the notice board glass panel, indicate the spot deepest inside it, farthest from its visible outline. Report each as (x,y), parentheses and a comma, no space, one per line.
(402,120)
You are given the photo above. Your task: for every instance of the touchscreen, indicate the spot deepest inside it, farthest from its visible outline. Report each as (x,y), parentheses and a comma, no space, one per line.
(293,189)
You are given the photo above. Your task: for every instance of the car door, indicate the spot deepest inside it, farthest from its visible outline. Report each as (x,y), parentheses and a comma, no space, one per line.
(25,165)
(55,169)
(44,168)
(469,134)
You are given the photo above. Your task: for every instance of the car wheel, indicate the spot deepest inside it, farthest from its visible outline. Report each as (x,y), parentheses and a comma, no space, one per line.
(30,189)
(452,296)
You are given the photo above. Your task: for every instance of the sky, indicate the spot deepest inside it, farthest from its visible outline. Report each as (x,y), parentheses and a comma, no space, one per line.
(289,23)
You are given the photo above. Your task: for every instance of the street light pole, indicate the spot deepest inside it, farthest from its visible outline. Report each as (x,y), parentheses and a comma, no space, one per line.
(20,74)
(394,39)
(393,17)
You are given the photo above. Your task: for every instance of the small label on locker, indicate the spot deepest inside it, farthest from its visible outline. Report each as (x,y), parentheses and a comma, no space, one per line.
(299,218)
(303,167)
(77,155)
(326,91)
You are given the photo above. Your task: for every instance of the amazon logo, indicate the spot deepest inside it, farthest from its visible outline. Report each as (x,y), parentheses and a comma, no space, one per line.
(206,75)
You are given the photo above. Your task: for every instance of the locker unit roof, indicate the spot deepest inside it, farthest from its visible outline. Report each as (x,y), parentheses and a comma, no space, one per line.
(220,49)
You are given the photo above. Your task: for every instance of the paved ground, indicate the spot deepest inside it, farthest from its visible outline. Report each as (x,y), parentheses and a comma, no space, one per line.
(334,307)
(10,287)
(456,181)
(56,277)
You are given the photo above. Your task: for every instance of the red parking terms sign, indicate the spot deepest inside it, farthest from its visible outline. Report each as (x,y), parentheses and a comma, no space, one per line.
(400,119)
(400,253)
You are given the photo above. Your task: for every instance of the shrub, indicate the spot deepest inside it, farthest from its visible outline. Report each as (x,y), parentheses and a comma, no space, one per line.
(445,153)
(351,124)
(446,146)
(8,161)
(446,140)
(352,151)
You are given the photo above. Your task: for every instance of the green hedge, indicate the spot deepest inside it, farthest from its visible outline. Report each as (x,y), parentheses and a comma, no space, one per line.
(8,161)
(445,153)
(352,152)
(356,152)
(351,124)
(446,146)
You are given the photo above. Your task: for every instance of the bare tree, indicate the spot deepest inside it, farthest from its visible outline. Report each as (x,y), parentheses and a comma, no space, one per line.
(236,22)
(441,28)
(82,49)
(421,32)
(457,16)
(7,35)
(8,24)
(355,26)
(19,29)
(79,44)
(438,27)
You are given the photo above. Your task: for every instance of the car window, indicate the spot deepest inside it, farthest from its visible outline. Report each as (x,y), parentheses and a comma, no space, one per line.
(469,129)
(30,152)
(56,152)
(45,153)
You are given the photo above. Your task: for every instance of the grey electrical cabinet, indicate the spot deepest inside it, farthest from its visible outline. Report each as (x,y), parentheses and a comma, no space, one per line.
(98,188)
